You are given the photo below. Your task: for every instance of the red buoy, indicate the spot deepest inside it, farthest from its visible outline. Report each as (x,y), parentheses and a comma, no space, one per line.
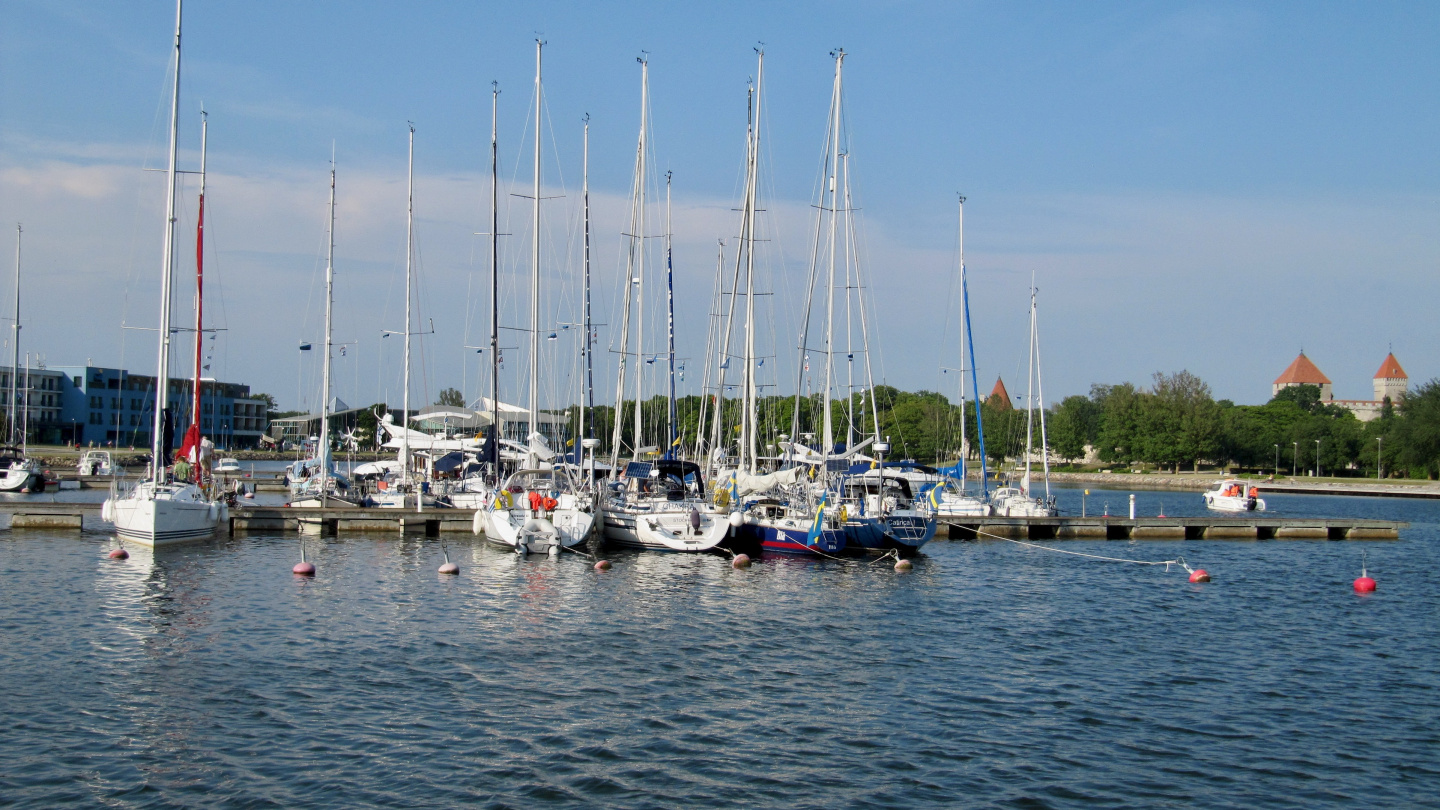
(304,569)
(1365,585)
(1199,575)
(741,561)
(603,565)
(122,554)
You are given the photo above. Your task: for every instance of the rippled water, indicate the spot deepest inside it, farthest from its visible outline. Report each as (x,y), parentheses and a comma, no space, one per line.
(991,675)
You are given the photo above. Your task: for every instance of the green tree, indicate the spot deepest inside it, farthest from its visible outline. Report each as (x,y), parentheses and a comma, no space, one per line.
(1120,412)
(451,397)
(1417,430)
(1074,423)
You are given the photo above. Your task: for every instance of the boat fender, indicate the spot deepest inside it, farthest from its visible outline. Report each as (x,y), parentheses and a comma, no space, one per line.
(476,526)
(107,511)
(737,519)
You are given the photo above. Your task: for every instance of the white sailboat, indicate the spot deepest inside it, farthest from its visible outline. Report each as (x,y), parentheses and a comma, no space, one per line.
(318,485)
(658,505)
(540,507)
(1021,501)
(953,500)
(18,472)
(400,490)
(161,511)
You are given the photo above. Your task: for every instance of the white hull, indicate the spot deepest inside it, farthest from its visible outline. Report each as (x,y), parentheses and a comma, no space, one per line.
(173,514)
(526,531)
(17,479)
(962,506)
(1229,503)
(666,529)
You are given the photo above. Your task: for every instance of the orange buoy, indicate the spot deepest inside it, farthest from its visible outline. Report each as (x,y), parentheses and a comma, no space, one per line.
(1199,575)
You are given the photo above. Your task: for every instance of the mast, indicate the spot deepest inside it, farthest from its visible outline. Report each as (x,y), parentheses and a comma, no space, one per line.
(15,342)
(670,321)
(1029,389)
(1040,392)
(323,451)
(750,444)
(199,290)
(834,221)
(634,277)
(969,342)
(494,281)
(964,340)
(535,268)
(639,237)
(587,426)
(409,257)
(159,452)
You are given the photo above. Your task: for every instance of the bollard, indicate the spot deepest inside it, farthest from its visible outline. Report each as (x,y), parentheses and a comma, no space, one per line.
(1132,506)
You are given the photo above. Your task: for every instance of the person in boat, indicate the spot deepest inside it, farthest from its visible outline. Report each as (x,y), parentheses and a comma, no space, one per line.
(1254,492)
(181,470)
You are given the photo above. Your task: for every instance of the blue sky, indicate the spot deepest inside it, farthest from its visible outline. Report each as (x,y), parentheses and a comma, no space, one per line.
(1208,186)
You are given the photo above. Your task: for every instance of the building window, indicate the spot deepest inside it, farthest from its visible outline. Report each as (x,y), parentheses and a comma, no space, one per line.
(77,382)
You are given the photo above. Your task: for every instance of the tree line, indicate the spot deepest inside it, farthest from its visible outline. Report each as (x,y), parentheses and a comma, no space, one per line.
(1174,423)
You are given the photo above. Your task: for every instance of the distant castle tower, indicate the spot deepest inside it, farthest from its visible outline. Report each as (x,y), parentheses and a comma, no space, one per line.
(999,398)
(1391,380)
(1303,372)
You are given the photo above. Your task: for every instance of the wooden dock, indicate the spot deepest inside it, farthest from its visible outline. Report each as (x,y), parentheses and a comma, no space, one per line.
(1202,527)
(24,514)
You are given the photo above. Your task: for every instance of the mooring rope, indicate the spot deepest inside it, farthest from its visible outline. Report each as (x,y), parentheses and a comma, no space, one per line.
(1180,561)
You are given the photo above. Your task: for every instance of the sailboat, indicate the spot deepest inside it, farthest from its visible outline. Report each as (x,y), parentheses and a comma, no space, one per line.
(316,483)
(18,472)
(160,510)
(953,500)
(779,512)
(878,513)
(540,507)
(1021,501)
(400,489)
(658,505)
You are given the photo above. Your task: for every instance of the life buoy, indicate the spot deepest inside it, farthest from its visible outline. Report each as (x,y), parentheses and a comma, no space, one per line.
(549,504)
(536,499)
(502,499)
(381,485)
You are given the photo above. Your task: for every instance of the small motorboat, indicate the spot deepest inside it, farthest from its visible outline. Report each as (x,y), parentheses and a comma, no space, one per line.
(97,462)
(228,466)
(1231,495)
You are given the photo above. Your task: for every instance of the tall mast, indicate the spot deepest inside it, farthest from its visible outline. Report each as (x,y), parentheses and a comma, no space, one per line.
(640,180)
(1040,392)
(199,286)
(834,221)
(634,277)
(964,341)
(159,452)
(670,321)
(974,380)
(409,257)
(323,451)
(587,425)
(750,444)
(535,264)
(15,341)
(494,280)
(1029,390)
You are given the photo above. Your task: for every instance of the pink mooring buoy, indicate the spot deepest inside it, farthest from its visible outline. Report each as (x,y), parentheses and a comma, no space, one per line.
(119,554)
(304,569)
(602,565)
(1364,584)
(449,568)
(741,561)
(1199,575)
(904,565)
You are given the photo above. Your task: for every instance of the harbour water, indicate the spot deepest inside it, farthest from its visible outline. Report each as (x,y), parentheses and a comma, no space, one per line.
(991,675)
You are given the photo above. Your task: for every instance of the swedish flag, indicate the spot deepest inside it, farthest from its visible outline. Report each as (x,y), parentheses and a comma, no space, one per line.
(813,536)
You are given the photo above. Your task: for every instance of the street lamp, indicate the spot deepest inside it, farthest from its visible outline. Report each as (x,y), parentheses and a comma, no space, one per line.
(1379,457)
(1317,458)
(1295,460)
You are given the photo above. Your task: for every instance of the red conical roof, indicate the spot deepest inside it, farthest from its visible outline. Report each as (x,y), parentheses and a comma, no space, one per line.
(1391,370)
(999,398)
(1302,372)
